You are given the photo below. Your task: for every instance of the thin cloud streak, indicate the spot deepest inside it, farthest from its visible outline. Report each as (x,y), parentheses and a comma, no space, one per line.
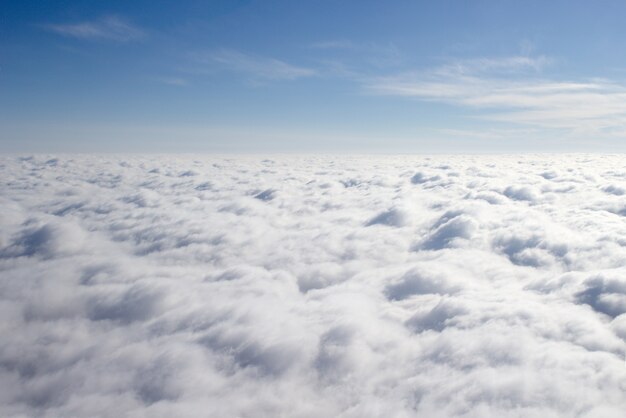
(334,44)
(173,81)
(111,28)
(259,67)
(486,85)
(362,54)
(513,64)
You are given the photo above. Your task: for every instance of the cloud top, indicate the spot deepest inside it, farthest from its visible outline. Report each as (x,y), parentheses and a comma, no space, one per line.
(439,286)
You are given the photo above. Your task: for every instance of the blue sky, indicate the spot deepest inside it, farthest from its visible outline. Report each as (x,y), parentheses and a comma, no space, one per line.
(312,76)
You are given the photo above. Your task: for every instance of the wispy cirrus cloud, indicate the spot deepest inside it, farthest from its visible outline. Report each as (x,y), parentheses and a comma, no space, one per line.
(512,90)
(258,67)
(173,81)
(503,65)
(361,55)
(333,44)
(111,28)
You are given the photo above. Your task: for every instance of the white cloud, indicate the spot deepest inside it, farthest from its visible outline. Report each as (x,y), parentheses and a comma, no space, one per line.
(334,44)
(441,286)
(512,64)
(351,59)
(259,67)
(502,90)
(173,81)
(111,28)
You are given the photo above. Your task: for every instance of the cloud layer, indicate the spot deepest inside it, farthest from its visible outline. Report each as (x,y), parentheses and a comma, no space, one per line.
(313,286)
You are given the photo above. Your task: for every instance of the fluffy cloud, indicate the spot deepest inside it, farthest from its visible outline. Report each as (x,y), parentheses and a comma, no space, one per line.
(293,286)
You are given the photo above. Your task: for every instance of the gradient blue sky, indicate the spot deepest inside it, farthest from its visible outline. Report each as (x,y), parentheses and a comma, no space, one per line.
(302,76)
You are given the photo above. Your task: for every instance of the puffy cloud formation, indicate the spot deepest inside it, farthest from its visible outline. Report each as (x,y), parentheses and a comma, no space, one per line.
(482,286)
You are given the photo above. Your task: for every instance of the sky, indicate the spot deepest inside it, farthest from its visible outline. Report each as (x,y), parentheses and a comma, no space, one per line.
(323,76)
